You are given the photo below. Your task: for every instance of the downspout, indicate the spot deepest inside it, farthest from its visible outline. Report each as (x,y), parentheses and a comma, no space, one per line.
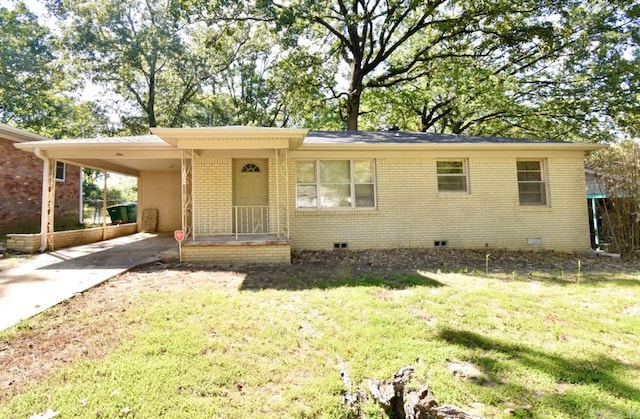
(44,216)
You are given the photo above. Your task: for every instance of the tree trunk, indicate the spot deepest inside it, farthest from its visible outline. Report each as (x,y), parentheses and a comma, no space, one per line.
(353,97)
(151,100)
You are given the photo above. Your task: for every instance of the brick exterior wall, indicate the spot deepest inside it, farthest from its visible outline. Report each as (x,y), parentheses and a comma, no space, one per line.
(411,212)
(21,192)
(212,188)
(237,253)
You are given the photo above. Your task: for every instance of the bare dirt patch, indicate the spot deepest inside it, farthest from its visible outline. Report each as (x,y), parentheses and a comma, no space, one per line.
(89,325)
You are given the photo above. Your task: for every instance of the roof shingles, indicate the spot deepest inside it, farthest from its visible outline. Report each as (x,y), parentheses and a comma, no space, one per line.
(406,137)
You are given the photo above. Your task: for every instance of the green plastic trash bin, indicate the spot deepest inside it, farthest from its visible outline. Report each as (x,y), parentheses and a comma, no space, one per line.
(118,214)
(123,213)
(132,212)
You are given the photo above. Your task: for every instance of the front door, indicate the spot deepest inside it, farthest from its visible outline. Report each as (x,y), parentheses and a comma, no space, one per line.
(250,196)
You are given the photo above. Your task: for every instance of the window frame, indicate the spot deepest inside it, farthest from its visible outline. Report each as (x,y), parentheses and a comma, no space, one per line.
(64,171)
(544,202)
(352,186)
(464,175)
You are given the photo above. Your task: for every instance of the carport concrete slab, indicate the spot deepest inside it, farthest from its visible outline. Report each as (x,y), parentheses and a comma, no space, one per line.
(53,277)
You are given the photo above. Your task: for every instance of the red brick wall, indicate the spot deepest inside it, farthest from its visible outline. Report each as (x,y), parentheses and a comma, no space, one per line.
(21,192)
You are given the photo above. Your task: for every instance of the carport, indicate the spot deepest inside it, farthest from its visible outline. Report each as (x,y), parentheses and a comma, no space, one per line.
(154,162)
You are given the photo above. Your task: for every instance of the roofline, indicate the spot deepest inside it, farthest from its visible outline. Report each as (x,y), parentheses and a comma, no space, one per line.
(279,137)
(19,135)
(587,147)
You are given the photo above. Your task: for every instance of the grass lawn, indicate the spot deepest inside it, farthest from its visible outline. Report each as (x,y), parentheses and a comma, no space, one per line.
(207,343)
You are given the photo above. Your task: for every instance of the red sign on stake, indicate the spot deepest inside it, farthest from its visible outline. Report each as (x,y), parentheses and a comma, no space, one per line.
(178,235)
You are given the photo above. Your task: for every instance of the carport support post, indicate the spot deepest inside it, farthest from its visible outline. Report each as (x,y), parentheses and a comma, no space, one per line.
(48,199)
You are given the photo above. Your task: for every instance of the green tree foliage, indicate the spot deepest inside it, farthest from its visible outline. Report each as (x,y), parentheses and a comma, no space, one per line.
(121,190)
(91,191)
(241,93)
(35,89)
(141,49)
(560,69)
(265,84)
(604,66)
(381,45)
(75,119)
(27,73)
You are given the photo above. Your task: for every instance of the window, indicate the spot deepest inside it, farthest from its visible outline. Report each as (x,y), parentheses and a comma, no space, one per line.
(335,184)
(452,176)
(60,171)
(531,183)
(250,168)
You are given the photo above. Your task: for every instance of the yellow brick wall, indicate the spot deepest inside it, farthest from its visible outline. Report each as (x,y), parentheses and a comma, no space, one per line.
(26,243)
(412,213)
(269,254)
(30,243)
(212,188)
(278,195)
(161,191)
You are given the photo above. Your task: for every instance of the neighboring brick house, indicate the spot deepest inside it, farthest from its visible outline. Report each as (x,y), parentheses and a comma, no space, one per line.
(249,194)
(21,186)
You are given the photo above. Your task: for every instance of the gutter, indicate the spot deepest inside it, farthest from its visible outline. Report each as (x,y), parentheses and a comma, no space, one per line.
(44,217)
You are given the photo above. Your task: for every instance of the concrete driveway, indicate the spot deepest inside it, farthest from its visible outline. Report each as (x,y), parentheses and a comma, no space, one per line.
(51,278)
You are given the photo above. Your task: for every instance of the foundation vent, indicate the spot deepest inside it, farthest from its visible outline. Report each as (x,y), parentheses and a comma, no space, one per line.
(534,241)
(440,243)
(339,245)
